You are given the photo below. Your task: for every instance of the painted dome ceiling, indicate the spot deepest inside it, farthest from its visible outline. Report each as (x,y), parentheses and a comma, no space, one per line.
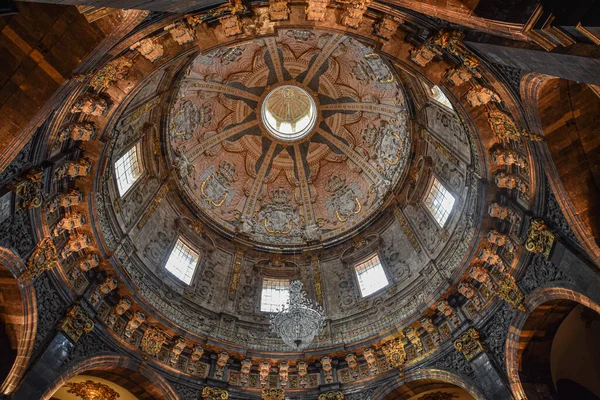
(289,140)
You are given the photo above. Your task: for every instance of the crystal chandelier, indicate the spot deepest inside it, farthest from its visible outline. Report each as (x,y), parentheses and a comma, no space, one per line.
(300,321)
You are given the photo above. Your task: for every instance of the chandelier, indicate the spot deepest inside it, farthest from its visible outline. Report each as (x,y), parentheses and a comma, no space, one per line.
(299,321)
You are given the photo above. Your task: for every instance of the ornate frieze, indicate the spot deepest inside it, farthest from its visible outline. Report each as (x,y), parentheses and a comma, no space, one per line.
(152,341)
(213,393)
(181,32)
(539,238)
(149,48)
(302,368)
(273,394)
(501,240)
(469,344)
(445,308)
(327,369)
(246,366)
(73,169)
(423,54)
(222,359)
(119,309)
(71,198)
(495,210)
(110,74)
(76,323)
(103,289)
(316,9)
(506,157)
(480,95)
(82,131)
(89,262)
(353,12)
(134,323)
(90,104)
(414,339)
(284,369)
(386,27)
(194,363)
(506,180)
(459,75)
(432,330)
(232,25)
(331,396)
(394,353)
(68,223)
(467,290)
(279,10)
(480,274)
(352,361)
(75,244)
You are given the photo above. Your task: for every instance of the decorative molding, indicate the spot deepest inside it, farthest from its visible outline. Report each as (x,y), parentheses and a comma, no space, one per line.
(469,344)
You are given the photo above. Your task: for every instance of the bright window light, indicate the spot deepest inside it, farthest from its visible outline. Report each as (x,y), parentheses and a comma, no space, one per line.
(371,276)
(439,202)
(275,294)
(182,262)
(440,97)
(128,169)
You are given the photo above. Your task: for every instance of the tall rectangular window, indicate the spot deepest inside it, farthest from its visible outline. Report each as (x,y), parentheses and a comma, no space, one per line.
(182,262)
(439,202)
(371,276)
(128,169)
(275,294)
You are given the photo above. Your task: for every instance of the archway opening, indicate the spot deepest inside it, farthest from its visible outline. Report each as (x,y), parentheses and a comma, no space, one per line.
(429,389)
(560,357)
(11,323)
(130,385)
(570,113)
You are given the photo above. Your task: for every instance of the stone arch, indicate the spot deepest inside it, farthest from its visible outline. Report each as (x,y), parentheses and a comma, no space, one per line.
(539,304)
(122,370)
(569,155)
(428,375)
(18,313)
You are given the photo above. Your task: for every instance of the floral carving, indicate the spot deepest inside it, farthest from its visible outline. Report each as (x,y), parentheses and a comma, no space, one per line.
(90,390)
(469,344)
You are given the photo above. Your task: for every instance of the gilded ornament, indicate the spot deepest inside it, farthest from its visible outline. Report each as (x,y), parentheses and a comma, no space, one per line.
(76,323)
(469,344)
(90,390)
(154,205)
(152,341)
(43,258)
(509,291)
(407,229)
(394,353)
(539,238)
(213,393)
(331,396)
(110,73)
(235,276)
(505,129)
(273,394)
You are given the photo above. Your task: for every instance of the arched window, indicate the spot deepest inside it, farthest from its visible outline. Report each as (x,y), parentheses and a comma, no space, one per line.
(438,95)
(275,294)
(182,262)
(439,202)
(371,276)
(128,169)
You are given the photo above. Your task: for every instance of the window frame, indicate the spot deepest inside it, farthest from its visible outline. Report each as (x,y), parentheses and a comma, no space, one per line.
(196,265)
(431,89)
(138,151)
(432,180)
(363,260)
(262,288)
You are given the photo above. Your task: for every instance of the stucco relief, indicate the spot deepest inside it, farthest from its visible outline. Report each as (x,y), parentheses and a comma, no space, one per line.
(225,88)
(448,128)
